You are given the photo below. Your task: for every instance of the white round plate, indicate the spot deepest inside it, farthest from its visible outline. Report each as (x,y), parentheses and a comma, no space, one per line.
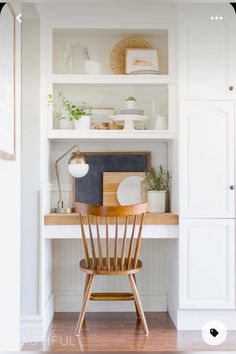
(145,72)
(129,191)
(134,117)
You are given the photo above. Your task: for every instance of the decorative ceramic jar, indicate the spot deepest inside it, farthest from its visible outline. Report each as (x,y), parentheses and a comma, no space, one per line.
(65,122)
(83,123)
(156,201)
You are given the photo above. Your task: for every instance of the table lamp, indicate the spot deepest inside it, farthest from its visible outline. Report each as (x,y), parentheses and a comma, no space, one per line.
(77,167)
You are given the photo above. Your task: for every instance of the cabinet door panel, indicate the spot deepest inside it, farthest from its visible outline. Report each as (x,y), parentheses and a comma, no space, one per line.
(207,51)
(207,264)
(206,62)
(206,159)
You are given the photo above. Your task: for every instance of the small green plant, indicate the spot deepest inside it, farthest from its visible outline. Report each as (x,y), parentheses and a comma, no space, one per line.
(73,112)
(50,99)
(130,98)
(157,180)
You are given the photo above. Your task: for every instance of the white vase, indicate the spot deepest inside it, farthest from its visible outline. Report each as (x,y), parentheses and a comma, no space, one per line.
(65,122)
(92,67)
(83,123)
(156,201)
(130,104)
(160,123)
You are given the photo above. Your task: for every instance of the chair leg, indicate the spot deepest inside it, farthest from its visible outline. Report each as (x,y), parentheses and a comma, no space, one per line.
(137,313)
(86,284)
(85,287)
(138,303)
(85,305)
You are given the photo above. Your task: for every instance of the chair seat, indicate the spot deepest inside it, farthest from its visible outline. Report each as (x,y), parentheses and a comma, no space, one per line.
(98,271)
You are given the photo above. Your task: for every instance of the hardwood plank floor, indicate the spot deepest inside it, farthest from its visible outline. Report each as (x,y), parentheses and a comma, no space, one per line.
(122,332)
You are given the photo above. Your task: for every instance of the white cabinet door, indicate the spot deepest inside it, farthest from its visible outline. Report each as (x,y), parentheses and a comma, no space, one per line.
(207,52)
(207,269)
(206,159)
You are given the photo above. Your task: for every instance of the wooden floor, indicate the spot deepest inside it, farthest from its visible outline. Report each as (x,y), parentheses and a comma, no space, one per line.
(122,332)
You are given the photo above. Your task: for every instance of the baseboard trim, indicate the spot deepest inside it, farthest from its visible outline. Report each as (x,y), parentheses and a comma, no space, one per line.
(71,301)
(31,329)
(34,327)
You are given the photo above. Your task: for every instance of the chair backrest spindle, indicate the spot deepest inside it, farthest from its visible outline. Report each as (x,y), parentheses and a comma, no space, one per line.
(138,242)
(116,245)
(122,260)
(92,244)
(86,252)
(99,245)
(107,245)
(131,243)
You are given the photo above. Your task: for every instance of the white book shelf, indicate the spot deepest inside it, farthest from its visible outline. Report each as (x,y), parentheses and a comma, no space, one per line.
(112,79)
(59,134)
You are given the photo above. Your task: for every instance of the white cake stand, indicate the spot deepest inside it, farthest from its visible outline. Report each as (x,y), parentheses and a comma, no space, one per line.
(129,120)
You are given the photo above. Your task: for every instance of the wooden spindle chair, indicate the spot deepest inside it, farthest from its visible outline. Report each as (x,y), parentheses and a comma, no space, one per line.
(110,261)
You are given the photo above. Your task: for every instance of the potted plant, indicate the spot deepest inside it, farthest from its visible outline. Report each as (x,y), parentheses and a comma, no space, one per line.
(81,116)
(65,120)
(157,185)
(130,102)
(72,116)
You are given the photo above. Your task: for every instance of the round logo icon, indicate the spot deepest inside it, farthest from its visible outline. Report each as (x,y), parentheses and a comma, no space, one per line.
(214,332)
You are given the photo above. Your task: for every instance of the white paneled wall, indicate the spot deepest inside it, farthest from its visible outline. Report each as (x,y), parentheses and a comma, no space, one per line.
(68,280)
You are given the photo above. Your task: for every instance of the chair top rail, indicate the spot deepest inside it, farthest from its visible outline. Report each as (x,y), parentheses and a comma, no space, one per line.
(106,211)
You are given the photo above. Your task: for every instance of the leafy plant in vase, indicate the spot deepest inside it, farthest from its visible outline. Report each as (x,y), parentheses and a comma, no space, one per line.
(81,116)
(65,120)
(157,184)
(130,102)
(72,116)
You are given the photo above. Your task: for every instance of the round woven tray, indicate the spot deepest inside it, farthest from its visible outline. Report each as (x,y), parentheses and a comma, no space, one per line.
(118,54)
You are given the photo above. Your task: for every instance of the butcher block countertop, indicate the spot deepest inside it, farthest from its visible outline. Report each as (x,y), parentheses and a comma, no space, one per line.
(74,219)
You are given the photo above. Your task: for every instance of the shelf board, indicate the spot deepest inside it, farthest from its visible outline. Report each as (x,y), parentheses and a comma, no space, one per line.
(73,219)
(73,134)
(111,79)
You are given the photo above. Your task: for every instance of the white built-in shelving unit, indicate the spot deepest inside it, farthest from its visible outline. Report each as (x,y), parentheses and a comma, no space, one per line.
(155,93)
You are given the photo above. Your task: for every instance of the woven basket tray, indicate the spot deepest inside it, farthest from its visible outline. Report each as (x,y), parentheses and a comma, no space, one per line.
(118,54)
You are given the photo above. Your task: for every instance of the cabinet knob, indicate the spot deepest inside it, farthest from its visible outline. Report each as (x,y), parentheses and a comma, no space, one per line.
(231,88)
(232,187)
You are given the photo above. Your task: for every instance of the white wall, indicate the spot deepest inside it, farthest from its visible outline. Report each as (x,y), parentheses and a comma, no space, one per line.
(93,13)
(68,280)
(30,165)
(10,229)
(36,293)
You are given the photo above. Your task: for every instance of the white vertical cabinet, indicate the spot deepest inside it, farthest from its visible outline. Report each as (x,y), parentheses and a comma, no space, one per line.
(207,269)
(207,52)
(207,159)
(207,69)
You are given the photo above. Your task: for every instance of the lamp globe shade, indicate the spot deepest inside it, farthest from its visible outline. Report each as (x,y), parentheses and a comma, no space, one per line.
(78,170)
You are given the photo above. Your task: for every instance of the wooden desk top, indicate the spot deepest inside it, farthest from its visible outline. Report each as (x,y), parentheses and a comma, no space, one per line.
(73,219)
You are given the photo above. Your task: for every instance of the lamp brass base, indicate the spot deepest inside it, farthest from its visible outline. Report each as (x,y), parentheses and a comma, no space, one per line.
(62,210)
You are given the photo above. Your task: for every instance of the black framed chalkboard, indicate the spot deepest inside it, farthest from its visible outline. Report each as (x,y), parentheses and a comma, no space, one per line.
(88,189)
